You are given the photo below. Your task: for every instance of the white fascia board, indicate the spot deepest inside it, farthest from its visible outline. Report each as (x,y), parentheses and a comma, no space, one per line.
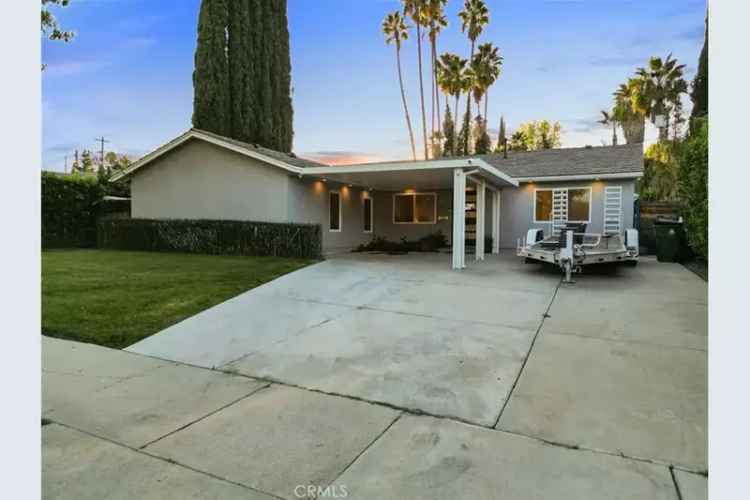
(193,134)
(473,163)
(388,167)
(586,177)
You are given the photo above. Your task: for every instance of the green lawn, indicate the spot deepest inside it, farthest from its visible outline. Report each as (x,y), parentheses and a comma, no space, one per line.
(116,298)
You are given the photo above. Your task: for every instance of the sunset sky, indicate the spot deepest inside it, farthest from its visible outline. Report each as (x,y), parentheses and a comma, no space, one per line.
(128,73)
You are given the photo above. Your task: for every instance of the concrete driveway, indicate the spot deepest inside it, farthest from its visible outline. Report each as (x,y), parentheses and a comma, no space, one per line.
(395,377)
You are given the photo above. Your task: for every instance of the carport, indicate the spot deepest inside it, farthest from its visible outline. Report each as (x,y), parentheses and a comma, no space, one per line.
(453,175)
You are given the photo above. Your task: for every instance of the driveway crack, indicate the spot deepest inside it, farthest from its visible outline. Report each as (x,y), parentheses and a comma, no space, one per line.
(528,353)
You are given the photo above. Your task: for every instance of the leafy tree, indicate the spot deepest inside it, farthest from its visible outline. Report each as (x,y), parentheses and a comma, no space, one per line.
(659,181)
(416,10)
(86,164)
(699,95)
(50,28)
(211,101)
(518,141)
(449,133)
(693,185)
(535,135)
(396,31)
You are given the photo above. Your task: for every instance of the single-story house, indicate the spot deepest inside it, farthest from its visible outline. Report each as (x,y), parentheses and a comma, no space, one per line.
(201,175)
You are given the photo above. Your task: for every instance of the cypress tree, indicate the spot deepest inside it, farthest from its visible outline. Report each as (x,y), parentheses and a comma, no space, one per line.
(449,132)
(699,96)
(464,136)
(282,85)
(242,74)
(211,100)
(242,61)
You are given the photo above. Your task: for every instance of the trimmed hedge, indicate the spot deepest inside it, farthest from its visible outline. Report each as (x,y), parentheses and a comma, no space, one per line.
(69,210)
(211,237)
(693,186)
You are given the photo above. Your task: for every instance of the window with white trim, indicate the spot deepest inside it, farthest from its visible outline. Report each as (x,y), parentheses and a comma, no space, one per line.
(414,208)
(334,211)
(367,214)
(579,204)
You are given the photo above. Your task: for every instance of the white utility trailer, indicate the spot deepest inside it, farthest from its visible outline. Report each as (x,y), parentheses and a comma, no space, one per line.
(571,248)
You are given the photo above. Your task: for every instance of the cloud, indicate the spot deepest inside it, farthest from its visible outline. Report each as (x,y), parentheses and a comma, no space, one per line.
(138,43)
(341,157)
(696,33)
(68,68)
(617,61)
(584,124)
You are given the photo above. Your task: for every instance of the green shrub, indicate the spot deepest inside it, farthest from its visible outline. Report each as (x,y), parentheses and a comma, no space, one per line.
(693,186)
(211,237)
(68,210)
(430,243)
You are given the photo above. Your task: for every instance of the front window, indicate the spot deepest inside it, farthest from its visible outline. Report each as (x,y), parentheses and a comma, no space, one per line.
(414,208)
(579,204)
(334,211)
(543,205)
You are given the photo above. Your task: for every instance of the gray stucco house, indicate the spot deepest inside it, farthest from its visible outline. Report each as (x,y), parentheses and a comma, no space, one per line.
(200,175)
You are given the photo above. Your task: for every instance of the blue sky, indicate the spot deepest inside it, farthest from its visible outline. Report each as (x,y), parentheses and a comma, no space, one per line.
(128,73)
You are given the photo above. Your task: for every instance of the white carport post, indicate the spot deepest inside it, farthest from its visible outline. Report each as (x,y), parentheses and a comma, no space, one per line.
(495,222)
(479,245)
(459,218)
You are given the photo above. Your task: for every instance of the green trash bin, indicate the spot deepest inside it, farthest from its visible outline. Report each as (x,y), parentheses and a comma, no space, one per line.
(670,240)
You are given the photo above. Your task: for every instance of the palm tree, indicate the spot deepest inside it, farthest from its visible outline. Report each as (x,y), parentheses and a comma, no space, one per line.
(657,89)
(489,66)
(396,31)
(474,17)
(631,121)
(609,119)
(452,81)
(416,10)
(436,22)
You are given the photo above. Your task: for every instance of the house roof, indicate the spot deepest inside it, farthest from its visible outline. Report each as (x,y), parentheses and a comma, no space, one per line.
(604,161)
(552,164)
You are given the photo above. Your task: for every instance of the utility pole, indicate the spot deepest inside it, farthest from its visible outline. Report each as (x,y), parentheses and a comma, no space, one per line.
(75,163)
(101,159)
(66,164)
